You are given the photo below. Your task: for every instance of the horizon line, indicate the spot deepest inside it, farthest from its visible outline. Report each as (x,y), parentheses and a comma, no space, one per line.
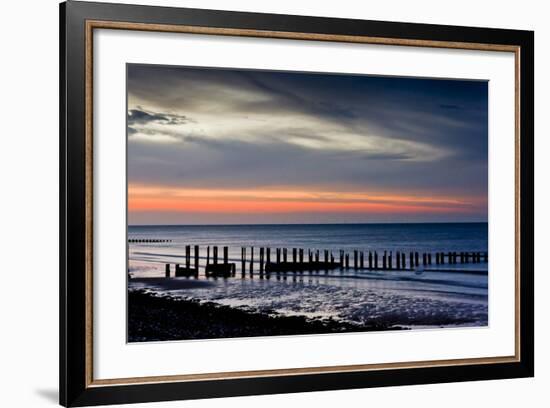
(335,223)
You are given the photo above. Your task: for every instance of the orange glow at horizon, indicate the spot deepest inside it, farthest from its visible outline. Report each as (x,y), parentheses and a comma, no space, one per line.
(144,198)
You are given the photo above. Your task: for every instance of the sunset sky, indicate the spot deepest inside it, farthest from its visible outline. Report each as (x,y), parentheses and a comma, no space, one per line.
(219,146)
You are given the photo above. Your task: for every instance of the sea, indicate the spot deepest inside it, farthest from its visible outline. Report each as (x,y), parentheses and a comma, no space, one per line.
(428,296)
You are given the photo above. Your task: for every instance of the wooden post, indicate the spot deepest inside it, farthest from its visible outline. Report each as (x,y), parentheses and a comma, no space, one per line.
(197,258)
(188,256)
(294,256)
(429,259)
(243,261)
(251,268)
(411,260)
(485,257)
(316,255)
(347,261)
(341,259)
(261,261)
(331,258)
(375,260)
(225,255)
(424,260)
(278,254)
(284,255)
(390,261)
(215,255)
(384,260)
(326,255)
(398,261)
(167,271)
(416,259)
(362,260)
(370,260)
(208,255)
(403,260)
(267,259)
(301,254)
(355,259)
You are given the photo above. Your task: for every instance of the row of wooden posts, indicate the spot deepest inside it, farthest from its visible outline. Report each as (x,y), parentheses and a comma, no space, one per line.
(148,241)
(311,261)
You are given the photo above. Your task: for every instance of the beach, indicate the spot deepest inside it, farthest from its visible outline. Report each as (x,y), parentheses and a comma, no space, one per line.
(162,318)
(344,299)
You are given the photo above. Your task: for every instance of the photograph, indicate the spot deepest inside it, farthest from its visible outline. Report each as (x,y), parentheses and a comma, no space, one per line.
(282,203)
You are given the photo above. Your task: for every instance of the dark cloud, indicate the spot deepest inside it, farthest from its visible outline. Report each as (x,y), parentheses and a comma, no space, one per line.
(142,117)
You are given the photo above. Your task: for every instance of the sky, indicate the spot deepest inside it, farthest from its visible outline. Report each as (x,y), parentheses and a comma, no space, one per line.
(229,146)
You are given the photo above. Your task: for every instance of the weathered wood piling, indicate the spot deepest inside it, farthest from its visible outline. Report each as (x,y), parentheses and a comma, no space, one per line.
(197,257)
(262,261)
(187,272)
(243,261)
(251,267)
(224,270)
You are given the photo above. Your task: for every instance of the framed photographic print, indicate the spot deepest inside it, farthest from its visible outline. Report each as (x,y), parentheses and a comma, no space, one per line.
(255,203)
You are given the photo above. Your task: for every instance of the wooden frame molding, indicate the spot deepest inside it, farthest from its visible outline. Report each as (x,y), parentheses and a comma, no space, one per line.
(113,25)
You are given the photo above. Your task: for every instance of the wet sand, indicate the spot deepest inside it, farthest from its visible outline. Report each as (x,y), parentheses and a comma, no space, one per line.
(161,318)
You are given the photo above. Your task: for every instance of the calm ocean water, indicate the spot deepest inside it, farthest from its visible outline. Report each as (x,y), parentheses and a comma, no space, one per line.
(437,296)
(368,237)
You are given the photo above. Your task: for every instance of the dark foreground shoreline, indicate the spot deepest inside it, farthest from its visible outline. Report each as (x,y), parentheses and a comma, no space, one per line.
(161,318)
